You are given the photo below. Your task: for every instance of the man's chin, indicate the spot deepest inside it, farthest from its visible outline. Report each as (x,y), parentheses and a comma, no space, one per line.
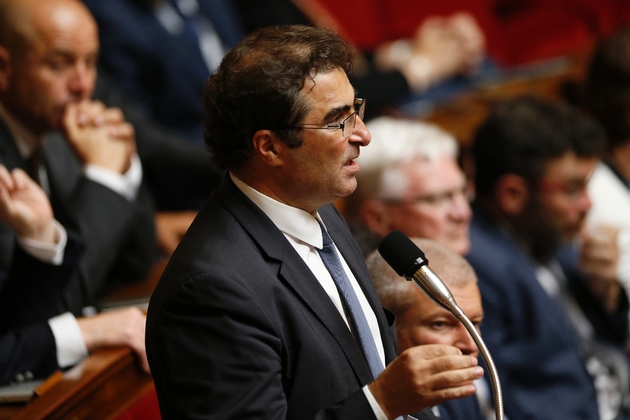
(459,244)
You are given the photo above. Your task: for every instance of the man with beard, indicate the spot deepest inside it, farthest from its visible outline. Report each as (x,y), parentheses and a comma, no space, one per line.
(555,316)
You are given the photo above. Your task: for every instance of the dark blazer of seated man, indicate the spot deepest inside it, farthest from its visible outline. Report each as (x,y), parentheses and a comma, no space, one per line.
(80,151)
(556,317)
(36,336)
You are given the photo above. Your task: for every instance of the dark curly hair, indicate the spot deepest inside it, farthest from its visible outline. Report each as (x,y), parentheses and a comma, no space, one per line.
(607,87)
(257,87)
(522,134)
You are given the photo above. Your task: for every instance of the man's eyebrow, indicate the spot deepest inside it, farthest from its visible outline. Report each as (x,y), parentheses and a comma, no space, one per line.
(336,111)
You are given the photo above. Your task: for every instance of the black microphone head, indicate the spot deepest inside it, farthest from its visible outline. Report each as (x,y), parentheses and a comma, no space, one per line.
(402,254)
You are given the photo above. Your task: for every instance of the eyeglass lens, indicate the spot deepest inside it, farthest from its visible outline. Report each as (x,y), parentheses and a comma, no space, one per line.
(350,122)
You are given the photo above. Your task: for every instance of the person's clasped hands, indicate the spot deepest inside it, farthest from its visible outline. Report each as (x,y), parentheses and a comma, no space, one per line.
(442,47)
(99,135)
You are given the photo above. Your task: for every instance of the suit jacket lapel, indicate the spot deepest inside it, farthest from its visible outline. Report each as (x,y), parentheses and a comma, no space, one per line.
(9,153)
(294,272)
(356,262)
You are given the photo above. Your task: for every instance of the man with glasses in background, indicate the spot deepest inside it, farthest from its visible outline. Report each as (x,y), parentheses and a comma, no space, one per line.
(556,319)
(266,309)
(410,181)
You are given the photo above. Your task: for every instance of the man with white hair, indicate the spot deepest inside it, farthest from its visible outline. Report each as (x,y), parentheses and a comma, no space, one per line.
(410,180)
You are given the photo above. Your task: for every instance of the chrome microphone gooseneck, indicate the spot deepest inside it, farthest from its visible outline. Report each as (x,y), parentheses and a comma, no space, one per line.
(410,262)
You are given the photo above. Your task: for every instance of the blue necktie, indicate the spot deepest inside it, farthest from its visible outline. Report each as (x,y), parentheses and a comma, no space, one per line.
(361,327)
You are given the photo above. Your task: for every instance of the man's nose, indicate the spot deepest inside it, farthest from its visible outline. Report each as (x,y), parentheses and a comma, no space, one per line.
(464,341)
(360,133)
(81,81)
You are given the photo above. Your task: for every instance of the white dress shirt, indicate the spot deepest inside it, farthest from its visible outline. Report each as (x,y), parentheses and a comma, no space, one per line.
(303,232)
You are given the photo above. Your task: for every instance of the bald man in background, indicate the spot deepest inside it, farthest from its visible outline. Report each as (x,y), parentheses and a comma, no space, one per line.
(82,154)
(420,321)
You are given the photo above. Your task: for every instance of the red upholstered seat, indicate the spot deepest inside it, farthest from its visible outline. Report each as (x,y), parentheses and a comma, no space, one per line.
(517,31)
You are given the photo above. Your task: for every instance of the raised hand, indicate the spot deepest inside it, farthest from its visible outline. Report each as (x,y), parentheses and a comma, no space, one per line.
(25,207)
(599,258)
(424,376)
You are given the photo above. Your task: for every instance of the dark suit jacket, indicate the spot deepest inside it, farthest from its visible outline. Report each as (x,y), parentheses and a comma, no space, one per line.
(535,349)
(461,409)
(163,72)
(29,298)
(238,326)
(119,235)
(178,173)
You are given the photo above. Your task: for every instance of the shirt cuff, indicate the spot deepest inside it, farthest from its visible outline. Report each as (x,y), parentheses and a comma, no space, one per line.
(378,411)
(126,184)
(44,251)
(71,347)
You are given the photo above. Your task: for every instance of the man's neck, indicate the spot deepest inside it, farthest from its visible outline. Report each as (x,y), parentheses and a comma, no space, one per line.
(268,186)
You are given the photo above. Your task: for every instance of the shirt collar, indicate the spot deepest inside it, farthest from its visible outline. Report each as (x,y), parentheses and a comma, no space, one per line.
(25,140)
(297,223)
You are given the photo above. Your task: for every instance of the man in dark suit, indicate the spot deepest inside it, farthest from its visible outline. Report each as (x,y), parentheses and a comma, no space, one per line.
(556,319)
(91,172)
(160,52)
(247,320)
(419,320)
(35,339)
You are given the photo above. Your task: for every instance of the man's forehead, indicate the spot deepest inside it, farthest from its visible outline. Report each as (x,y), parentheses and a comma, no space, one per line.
(433,173)
(570,166)
(328,91)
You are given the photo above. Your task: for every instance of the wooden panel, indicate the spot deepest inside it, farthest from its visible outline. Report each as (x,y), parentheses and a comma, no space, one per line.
(102,387)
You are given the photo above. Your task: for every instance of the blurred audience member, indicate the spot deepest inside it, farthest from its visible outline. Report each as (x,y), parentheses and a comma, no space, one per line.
(179,174)
(606,96)
(410,181)
(420,321)
(517,32)
(160,52)
(443,57)
(46,257)
(556,319)
(81,152)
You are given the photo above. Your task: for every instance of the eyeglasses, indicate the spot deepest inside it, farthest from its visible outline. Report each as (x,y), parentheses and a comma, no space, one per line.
(346,126)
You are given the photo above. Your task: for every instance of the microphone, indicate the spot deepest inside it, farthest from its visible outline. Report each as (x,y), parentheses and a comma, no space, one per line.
(409,261)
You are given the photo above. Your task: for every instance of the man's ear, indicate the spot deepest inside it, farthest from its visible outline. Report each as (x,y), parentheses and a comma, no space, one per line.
(512,193)
(268,147)
(374,215)
(5,68)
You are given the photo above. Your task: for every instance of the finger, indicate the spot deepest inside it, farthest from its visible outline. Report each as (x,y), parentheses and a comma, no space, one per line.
(455,377)
(452,363)
(431,351)
(113,116)
(6,180)
(121,131)
(91,113)
(454,392)
(21,179)
(144,363)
